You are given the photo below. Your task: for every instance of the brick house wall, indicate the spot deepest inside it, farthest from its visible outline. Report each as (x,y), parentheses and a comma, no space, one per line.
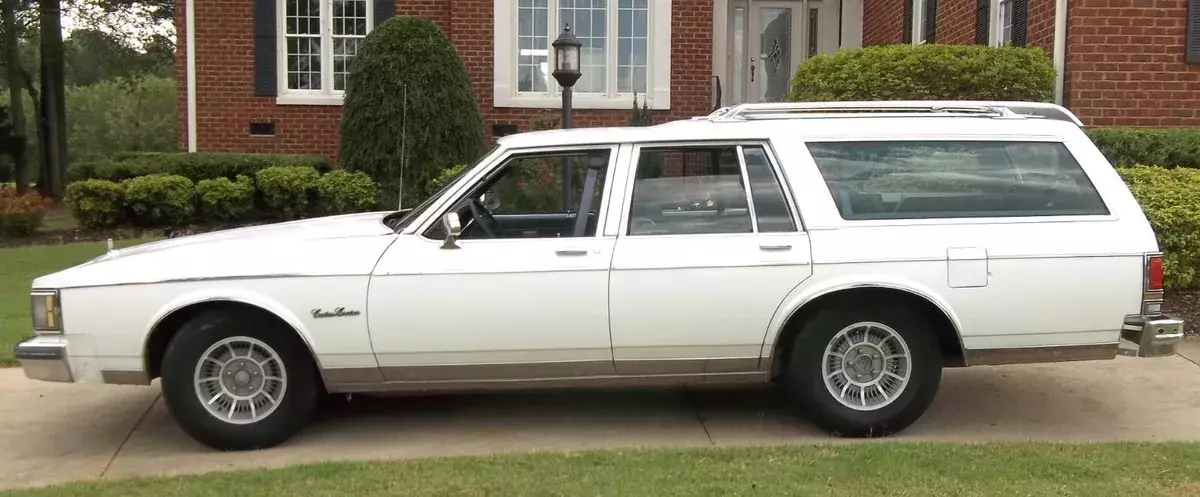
(226,104)
(1125,58)
(1126,66)
(956,22)
(883,22)
(1039,27)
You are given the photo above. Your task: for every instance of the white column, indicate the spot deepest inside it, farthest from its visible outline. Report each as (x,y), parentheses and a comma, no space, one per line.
(852,23)
(720,53)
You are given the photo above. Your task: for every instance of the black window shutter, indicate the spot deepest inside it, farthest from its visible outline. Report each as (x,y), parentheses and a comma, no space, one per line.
(930,21)
(982,16)
(1193,32)
(266,79)
(908,21)
(1020,8)
(384,9)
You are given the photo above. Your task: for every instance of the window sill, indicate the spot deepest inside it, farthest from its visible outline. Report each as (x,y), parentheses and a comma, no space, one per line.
(624,102)
(300,99)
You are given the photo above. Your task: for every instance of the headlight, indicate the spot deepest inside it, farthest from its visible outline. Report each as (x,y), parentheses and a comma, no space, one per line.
(47,311)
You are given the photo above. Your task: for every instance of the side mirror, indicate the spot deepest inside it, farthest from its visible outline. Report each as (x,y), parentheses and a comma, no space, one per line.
(453,230)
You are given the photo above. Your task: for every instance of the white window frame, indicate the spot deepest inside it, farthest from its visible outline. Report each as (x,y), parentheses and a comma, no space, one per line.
(326,95)
(918,22)
(658,62)
(996,23)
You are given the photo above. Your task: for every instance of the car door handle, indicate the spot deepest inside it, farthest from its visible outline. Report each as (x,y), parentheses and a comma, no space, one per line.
(571,252)
(775,248)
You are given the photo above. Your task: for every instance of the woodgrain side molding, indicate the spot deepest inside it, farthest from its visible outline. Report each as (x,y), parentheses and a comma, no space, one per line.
(1031,355)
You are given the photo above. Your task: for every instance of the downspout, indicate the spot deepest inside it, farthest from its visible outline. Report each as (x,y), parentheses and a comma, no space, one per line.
(191,74)
(1060,49)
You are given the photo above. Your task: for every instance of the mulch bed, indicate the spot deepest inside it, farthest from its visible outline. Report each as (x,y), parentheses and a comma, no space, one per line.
(1186,306)
(59,237)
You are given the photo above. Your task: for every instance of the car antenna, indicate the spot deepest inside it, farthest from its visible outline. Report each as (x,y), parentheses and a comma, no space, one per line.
(403,156)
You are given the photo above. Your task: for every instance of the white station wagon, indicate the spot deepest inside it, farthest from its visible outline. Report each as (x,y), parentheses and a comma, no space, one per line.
(846,251)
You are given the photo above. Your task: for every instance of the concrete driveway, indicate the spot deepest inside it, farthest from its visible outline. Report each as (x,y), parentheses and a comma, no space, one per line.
(60,432)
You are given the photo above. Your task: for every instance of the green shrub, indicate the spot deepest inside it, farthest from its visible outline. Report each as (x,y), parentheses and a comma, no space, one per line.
(1171,200)
(20,214)
(925,72)
(95,203)
(341,192)
(224,200)
(193,166)
(1171,147)
(408,85)
(79,171)
(288,189)
(160,199)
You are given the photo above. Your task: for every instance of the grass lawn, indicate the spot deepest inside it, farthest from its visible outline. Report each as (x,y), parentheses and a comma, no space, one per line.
(841,469)
(18,267)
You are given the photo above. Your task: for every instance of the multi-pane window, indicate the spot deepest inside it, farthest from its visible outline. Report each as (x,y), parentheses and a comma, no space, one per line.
(614,57)
(1004,13)
(918,22)
(320,37)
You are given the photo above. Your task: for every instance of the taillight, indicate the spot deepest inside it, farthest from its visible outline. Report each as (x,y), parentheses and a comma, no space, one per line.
(1154,273)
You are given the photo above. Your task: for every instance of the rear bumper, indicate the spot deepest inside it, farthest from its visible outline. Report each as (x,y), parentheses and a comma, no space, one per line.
(1155,336)
(44,361)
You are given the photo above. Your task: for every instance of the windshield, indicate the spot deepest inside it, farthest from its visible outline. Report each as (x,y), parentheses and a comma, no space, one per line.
(412,214)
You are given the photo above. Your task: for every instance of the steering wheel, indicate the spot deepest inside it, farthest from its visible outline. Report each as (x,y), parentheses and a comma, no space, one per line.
(483,217)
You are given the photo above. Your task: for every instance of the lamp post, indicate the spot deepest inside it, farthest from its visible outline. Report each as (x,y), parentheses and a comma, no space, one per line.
(566,72)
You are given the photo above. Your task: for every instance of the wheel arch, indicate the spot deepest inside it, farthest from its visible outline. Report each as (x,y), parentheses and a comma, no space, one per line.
(171,319)
(947,328)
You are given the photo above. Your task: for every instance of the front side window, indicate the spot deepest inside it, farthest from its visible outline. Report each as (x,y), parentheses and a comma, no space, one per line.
(319,37)
(692,190)
(525,198)
(620,40)
(954,179)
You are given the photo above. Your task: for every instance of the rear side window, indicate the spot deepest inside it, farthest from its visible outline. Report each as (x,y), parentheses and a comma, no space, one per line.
(954,179)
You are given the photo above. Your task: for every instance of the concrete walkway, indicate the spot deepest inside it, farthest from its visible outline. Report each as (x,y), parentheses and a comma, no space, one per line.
(55,433)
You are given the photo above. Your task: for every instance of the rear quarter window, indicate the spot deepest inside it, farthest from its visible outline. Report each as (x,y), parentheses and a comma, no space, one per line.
(954,179)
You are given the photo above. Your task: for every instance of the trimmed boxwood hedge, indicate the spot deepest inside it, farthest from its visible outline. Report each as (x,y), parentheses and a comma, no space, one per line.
(1171,147)
(194,166)
(925,72)
(1171,200)
(287,192)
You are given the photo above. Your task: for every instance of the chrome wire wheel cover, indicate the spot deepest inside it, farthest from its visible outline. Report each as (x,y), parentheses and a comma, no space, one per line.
(240,380)
(866,366)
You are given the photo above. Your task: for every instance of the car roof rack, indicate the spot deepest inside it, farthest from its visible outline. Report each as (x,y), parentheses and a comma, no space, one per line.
(941,108)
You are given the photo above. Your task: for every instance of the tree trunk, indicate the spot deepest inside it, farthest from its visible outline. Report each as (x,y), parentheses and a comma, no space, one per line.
(12,61)
(53,109)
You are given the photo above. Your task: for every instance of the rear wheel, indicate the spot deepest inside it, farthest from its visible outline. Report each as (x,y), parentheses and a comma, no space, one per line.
(864,372)
(236,381)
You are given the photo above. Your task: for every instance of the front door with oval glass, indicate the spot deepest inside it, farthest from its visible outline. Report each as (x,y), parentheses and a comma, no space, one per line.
(767,40)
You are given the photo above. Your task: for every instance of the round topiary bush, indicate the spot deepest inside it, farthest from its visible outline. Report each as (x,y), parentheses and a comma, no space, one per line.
(408,90)
(925,72)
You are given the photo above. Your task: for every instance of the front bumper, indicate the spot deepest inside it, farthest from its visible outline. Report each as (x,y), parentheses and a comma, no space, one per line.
(1155,336)
(42,361)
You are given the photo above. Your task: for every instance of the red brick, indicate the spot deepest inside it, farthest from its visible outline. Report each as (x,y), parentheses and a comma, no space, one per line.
(226,103)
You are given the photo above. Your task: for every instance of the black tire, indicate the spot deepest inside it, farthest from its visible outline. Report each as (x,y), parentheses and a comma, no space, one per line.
(179,390)
(805,383)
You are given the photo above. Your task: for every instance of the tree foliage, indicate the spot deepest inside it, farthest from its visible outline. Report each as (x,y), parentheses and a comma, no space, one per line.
(409,106)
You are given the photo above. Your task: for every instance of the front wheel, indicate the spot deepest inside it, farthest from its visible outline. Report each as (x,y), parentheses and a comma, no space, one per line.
(864,372)
(235,381)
